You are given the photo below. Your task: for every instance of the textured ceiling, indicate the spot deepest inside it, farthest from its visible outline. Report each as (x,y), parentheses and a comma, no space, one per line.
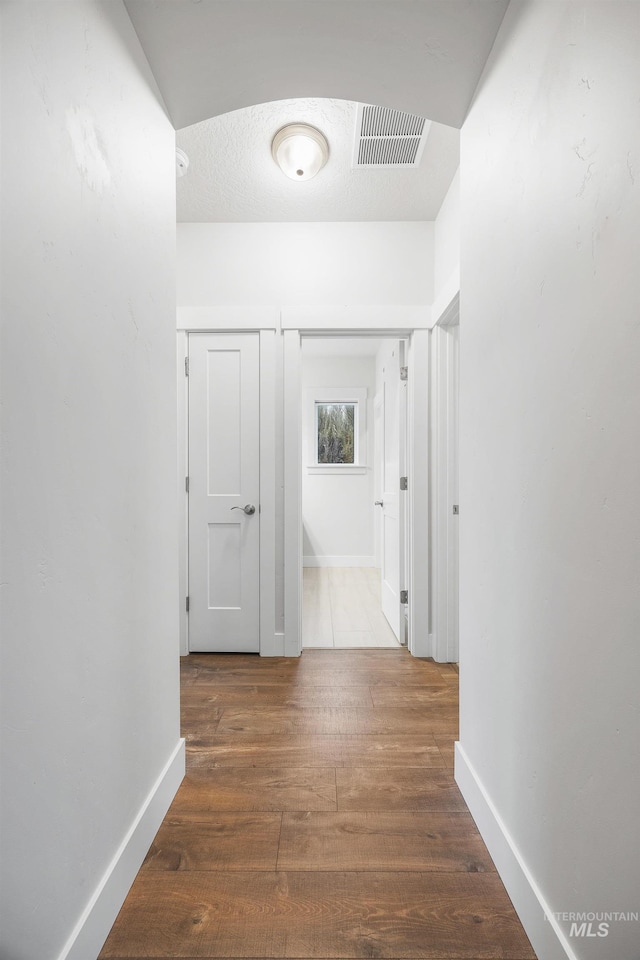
(233,178)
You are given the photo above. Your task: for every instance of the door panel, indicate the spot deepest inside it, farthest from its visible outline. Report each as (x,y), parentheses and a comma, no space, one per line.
(223,437)
(224,462)
(225,565)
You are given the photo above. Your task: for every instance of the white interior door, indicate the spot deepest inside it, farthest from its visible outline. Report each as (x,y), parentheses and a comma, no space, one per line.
(377,474)
(224,482)
(444,490)
(392,530)
(454,500)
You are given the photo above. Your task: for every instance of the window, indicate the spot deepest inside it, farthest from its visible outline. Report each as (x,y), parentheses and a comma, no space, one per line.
(335,432)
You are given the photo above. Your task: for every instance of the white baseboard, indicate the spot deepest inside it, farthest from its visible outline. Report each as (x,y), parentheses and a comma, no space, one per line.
(338,561)
(98,917)
(292,647)
(272,646)
(420,645)
(536,916)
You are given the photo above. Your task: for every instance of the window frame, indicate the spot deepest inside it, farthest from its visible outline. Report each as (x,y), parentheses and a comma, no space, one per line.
(351,395)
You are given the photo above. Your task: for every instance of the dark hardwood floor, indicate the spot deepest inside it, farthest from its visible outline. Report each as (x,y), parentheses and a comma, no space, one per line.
(319,818)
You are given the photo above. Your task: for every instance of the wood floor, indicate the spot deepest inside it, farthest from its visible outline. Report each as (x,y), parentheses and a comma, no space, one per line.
(341,607)
(319,818)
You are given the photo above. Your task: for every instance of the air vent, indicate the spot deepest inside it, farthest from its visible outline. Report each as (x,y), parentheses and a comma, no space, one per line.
(388,138)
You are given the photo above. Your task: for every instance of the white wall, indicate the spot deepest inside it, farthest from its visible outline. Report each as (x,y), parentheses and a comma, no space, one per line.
(337,510)
(446,260)
(361,264)
(90,710)
(550,460)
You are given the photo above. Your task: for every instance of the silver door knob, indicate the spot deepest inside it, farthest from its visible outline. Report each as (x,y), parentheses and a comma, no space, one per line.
(248,508)
(378,503)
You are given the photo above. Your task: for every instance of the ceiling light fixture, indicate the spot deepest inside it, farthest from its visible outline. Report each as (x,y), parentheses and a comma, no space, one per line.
(300,151)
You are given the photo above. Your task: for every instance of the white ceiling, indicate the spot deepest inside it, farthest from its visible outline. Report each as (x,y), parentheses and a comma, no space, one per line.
(232,176)
(210,57)
(241,62)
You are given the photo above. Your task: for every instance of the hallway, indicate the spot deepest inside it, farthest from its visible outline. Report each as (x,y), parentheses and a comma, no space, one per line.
(319,818)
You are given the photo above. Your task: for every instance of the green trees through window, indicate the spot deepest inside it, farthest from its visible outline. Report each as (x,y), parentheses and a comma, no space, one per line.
(336,432)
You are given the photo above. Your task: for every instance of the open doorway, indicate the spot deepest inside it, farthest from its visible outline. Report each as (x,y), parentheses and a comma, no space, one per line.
(353,505)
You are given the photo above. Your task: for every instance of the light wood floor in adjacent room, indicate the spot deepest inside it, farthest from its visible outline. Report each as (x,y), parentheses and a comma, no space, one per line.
(341,607)
(319,818)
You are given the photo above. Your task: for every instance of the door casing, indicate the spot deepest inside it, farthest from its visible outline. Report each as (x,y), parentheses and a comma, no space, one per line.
(417,470)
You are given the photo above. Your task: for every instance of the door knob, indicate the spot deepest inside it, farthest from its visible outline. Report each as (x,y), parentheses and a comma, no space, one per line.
(248,508)
(378,503)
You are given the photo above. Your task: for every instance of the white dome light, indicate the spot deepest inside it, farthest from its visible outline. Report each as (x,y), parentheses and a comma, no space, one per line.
(300,151)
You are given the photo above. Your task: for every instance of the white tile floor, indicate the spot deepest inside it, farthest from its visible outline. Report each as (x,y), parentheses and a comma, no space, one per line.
(341,608)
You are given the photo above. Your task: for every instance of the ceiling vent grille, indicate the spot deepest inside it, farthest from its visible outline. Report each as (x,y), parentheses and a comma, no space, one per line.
(388,138)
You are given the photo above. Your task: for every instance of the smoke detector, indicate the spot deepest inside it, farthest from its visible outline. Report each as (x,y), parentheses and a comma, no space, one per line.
(388,138)
(182,162)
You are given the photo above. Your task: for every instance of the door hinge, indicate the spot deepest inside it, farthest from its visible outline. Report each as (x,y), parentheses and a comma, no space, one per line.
(186,484)
(404,596)
(186,366)
(404,373)
(186,605)
(404,483)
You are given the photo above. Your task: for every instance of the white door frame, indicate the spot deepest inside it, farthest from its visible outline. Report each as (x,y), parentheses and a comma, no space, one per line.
(418,460)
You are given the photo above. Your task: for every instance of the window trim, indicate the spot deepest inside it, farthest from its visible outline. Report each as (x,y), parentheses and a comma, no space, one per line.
(355,395)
